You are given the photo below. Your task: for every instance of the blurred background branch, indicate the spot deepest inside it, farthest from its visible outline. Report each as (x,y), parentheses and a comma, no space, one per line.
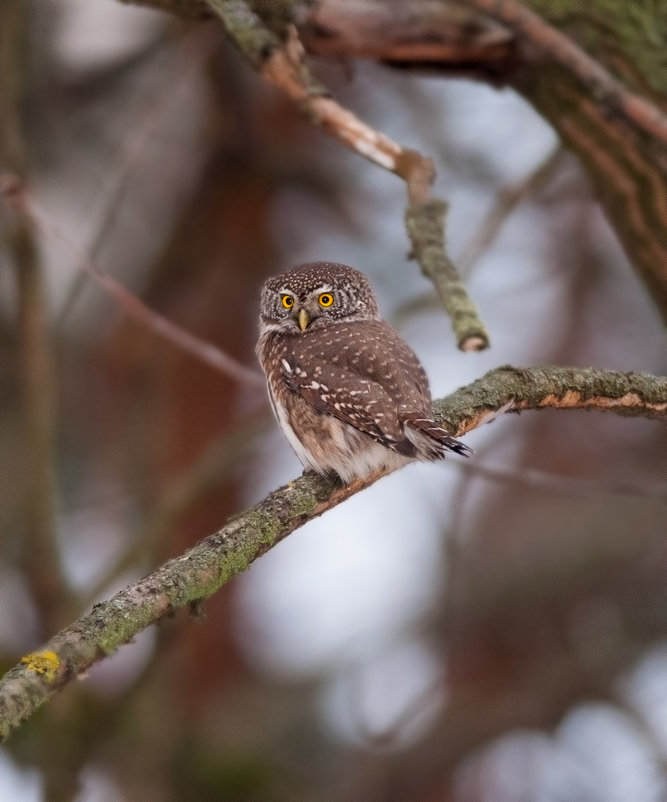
(37,541)
(16,195)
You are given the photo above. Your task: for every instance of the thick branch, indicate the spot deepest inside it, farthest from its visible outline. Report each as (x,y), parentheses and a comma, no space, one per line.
(202,570)
(599,83)
(628,394)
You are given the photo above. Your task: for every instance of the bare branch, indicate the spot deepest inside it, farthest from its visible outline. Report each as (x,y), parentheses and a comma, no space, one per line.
(202,570)
(16,195)
(282,65)
(424,35)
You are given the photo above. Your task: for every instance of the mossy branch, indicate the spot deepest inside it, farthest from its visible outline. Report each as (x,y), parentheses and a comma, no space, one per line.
(426,229)
(210,564)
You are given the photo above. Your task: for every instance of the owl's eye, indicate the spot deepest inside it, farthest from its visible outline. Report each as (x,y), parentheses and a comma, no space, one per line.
(287,301)
(326,299)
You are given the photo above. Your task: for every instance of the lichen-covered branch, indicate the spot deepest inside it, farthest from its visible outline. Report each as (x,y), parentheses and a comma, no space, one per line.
(283,66)
(554,387)
(425,225)
(206,567)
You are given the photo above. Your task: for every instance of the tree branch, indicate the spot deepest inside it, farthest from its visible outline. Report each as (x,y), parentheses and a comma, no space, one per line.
(188,57)
(601,84)
(206,567)
(282,65)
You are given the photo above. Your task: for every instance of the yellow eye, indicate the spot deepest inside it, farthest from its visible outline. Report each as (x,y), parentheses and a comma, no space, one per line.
(287,301)
(326,299)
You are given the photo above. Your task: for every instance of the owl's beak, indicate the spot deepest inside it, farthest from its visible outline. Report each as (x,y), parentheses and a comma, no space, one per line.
(303,319)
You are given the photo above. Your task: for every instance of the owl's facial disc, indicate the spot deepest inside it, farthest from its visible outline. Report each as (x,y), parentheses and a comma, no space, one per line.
(305,308)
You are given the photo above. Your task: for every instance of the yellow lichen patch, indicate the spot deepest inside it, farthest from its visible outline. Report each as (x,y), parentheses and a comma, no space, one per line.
(43,663)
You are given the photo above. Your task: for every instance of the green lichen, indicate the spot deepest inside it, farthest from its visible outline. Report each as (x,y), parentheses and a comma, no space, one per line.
(636,31)
(119,625)
(234,562)
(303,503)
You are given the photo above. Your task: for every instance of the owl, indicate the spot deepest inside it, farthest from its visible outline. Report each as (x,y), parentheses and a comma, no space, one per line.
(349,394)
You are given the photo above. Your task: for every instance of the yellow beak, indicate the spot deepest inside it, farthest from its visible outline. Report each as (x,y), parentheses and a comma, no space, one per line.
(303,319)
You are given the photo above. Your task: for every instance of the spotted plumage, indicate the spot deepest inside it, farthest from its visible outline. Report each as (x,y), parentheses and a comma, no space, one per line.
(349,394)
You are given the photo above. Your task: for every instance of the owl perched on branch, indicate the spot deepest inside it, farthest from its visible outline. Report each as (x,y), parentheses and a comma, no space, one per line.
(349,394)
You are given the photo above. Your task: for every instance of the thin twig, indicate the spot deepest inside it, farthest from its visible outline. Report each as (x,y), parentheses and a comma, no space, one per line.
(506,202)
(564,51)
(282,65)
(202,570)
(389,735)
(16,195)
(39,543)
(551,483)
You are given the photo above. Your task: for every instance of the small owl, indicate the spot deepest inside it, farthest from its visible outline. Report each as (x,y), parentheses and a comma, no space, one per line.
(349,394)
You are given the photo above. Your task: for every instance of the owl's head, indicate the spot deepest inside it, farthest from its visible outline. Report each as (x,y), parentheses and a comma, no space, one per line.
(313,295)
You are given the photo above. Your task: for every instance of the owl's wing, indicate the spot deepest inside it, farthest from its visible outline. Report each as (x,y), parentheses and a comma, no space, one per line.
(359,402)
(364,375)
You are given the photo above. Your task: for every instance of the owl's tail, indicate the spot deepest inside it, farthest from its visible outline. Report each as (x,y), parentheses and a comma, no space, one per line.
(431,441)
